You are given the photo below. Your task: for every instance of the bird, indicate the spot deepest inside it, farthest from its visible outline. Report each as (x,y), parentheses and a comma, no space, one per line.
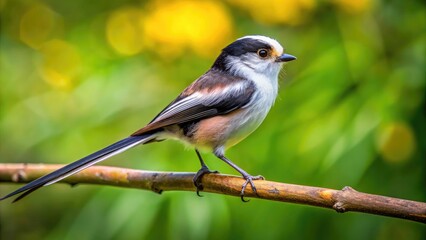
(215,112)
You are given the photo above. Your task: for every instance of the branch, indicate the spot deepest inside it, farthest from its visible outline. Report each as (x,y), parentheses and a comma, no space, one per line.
(344,200)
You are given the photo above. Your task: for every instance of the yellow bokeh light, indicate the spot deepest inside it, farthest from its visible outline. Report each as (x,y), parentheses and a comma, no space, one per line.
(396,142)
(352,6)
(203,26)
(61,63)
(38,25)
(124,31)
(290,12)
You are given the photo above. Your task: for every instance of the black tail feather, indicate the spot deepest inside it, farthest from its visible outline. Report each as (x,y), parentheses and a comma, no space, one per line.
(79,165)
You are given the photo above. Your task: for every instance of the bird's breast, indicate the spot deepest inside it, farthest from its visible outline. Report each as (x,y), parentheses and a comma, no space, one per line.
(229,129)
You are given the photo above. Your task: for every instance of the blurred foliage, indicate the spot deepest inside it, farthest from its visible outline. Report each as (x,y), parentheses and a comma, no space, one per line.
(78,75)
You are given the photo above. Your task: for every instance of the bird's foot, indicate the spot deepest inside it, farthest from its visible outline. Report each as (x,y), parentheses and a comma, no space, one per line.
(249,179)
(198,177)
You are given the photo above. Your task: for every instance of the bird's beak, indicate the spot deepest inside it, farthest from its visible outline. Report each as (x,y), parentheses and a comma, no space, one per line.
(285,58)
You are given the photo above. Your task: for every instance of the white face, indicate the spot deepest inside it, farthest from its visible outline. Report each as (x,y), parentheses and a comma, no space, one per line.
(258,62)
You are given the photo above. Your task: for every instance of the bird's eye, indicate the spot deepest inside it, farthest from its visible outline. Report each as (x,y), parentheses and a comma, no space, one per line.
(263,53)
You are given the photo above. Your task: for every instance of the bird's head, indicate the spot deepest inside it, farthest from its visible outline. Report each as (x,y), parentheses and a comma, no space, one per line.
(253,55)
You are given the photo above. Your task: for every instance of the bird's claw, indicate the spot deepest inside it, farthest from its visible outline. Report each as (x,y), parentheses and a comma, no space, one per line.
(198,177)
(249,179)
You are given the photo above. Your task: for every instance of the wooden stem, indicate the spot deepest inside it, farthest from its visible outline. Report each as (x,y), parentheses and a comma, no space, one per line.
(344,200)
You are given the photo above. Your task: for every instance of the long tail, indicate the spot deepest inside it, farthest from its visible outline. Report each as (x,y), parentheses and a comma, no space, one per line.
(81,164)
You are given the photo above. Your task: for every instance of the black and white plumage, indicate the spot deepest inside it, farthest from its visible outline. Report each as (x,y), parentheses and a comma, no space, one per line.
(215,112)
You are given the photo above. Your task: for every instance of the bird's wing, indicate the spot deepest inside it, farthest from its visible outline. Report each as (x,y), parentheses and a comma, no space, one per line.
(211,95)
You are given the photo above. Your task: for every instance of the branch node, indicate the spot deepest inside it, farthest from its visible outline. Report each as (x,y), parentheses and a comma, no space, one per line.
(274,191)
(348,189)
(19,176)
(339,207)
(153,186)
(100,175)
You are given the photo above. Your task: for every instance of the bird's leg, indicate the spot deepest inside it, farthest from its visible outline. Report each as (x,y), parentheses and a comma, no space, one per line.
(199,175)
(249,178)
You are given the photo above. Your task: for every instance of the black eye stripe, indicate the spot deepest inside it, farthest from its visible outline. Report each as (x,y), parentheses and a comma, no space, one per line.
(245,45)
(238,49)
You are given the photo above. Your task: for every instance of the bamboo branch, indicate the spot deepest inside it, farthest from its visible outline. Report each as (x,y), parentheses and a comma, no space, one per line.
(344,200)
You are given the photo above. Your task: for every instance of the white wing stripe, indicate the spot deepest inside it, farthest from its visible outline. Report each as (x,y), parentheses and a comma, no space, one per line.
(206,99)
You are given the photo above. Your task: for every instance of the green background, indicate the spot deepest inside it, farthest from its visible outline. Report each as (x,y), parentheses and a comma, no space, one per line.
(78,75)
